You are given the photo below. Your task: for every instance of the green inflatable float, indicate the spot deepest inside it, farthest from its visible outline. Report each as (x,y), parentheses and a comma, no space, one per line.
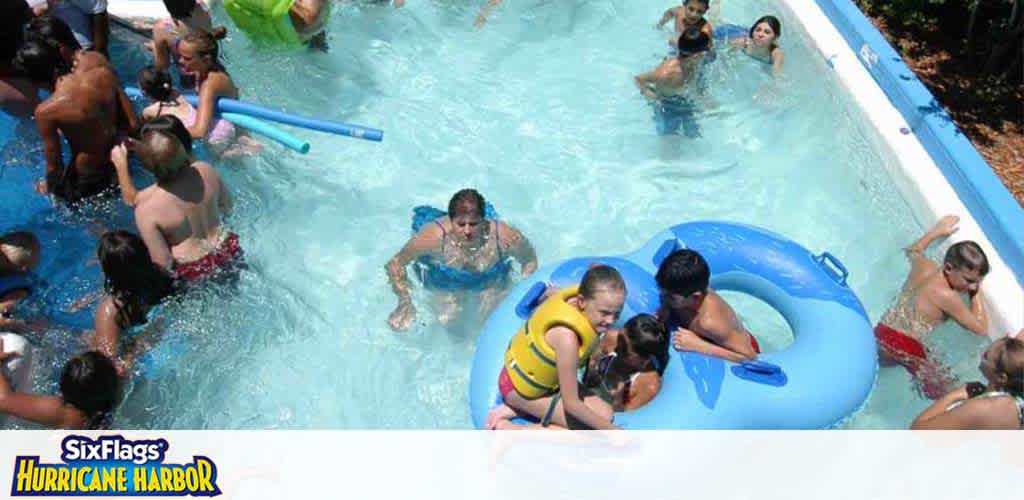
(264,20)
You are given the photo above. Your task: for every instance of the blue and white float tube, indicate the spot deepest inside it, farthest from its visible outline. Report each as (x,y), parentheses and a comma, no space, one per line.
(819,380)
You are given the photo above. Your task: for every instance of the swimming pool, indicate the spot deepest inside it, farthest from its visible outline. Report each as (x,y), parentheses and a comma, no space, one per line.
(539,112)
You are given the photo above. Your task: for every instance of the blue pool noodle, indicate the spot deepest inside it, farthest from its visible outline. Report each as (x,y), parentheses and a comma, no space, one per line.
(264,128)
(226,105)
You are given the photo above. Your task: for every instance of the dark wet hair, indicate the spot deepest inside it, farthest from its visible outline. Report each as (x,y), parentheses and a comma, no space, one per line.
(13,16)
(130,277)
(156,83)
(1011,363)
(967,255)
(205,42)
(89,382)
(707,3)
(40,62)
(601,277)
(171,126)
(466,201)
(684,272)
(773,23)
(53,31)
(692,40)
(180,9)
(649,339)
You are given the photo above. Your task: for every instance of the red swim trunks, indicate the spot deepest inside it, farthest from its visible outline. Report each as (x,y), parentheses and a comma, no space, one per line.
(912,355)
(755,345)
(222,258)
(505,386)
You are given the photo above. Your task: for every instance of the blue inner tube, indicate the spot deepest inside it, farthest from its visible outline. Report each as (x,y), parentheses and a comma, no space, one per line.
(822,378)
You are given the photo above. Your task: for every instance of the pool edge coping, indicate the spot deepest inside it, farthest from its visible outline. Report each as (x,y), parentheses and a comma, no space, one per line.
(928,188)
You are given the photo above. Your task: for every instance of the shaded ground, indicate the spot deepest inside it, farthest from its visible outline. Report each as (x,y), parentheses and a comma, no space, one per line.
(989,111)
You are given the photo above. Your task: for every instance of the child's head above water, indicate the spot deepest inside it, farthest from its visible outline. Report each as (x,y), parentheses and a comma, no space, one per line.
(683,279)
(603,293)
(694,10)
(1003,364)
(766,31)
(162,149)
(155,83)
(648,339)
(89,382)
(964,266)
(692,41)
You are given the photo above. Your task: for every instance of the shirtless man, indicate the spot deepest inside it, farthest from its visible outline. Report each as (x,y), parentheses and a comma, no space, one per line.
(89,108)
(930,296)
(698,319)
(664,86)
(179,217)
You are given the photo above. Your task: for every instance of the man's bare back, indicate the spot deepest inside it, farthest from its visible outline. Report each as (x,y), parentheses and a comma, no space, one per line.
(180,220)
(89,108)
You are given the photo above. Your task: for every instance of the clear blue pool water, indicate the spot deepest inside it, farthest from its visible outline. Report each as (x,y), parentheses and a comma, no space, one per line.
(539,112)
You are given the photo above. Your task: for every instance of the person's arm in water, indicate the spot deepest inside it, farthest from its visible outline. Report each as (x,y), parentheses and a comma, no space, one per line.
(643,389)
(161,46)
(566,346)
(108,334)
(418,246)
(45,410)
(127,120)
(119,157)
(485,11)
(966,416)
(225,202)
(974,319)
(943,228)
(669,15)
(776,61)
(520,248)
(48,131)
(100,31)
(216,85)
(159,251)
(645,82)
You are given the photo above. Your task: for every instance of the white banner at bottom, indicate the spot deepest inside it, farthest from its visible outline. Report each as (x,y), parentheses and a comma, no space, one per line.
(521,465)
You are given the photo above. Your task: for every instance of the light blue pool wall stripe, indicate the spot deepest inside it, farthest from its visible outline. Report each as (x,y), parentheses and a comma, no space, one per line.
(991,204)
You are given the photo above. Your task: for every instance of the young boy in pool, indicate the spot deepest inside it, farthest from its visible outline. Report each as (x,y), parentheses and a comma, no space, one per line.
(699,319)
(688,15)
(565,327)
(930,296)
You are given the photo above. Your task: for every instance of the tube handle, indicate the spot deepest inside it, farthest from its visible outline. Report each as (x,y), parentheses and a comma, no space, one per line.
(828,258)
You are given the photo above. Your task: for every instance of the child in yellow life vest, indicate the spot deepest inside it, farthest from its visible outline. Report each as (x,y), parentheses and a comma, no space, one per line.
(543,357)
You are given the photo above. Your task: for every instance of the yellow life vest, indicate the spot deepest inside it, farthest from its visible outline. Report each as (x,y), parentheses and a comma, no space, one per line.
(264,20)
(530,361)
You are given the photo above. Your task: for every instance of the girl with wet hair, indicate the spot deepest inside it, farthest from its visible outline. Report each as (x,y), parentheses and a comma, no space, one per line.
(996,404)
(762,42)
(187,16)
(134,288)
(89,391)
(199,55)
(645,337)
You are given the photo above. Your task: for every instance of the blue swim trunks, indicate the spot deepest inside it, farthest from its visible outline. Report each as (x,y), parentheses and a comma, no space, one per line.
(673,113)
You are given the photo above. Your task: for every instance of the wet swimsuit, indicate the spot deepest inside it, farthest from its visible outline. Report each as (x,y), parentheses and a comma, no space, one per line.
(227,254)
(998,394)
(912,355)
(436,275)
(675,112)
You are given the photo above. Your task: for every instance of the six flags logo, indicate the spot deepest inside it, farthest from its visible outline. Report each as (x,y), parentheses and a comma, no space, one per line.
(113,466)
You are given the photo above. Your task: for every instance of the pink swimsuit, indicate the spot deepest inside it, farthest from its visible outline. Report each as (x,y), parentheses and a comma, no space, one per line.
(221,131)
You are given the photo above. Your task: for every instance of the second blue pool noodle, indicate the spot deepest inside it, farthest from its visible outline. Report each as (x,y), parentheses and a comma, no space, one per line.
(226,105)
(264,128)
